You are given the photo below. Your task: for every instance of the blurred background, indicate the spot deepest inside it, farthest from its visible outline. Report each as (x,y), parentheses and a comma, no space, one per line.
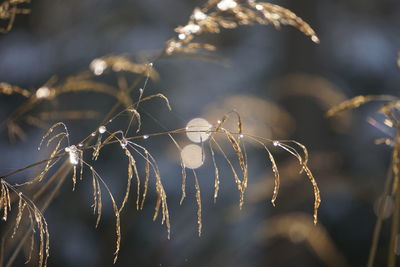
(279,81)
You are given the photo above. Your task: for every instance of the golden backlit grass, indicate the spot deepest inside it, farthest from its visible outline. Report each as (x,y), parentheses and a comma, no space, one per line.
(212,17)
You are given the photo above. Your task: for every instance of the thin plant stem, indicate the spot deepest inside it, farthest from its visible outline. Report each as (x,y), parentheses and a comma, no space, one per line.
(379,220)
(394,231)
(395,225)
(63,173)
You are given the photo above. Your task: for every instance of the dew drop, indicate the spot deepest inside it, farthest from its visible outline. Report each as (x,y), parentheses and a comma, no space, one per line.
(182,36)
(190,29)
(145,136)
(388,123)
(73,154)
(315,39)
(226,4)
(199,15)
(124,143)
(43,92)
(98,66)
(102,129)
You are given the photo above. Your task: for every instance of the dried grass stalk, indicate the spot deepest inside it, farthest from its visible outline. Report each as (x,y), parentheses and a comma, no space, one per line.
(198,201)
(9,9)
(97,195)
(119,63)
(216,173)
(38,224)
(146,180)
(9,89)
(356,102)
(214,16)
(243,166)
(82,82)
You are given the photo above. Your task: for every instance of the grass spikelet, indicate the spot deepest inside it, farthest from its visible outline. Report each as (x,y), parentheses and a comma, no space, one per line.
(161,203)
(55,137)
(239,122)
(135,114)
(146,180)
(211,18)
(395,168)
(37,221)
(317,195)
(174,47)
(183,187)
(100,144)
(216,173)
(21,208)
(50,131)
(122,63)
(303,161)
(304,167)
(4,201)
(305,152)
(131,164)
(9,9)
(277,16)
(235,140)
(74,178)
(277,180)
(356,102)
(157,96)
(390,110)
(214,16)
(97,147)
(235,175)
(95,194)
(49,163)
(99,180)
(221,123)
(98,206)
(198,201)
(243,183)
(82,82)
(132,168)
(32,244)
(9,89)
(183,169)
(162,198)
